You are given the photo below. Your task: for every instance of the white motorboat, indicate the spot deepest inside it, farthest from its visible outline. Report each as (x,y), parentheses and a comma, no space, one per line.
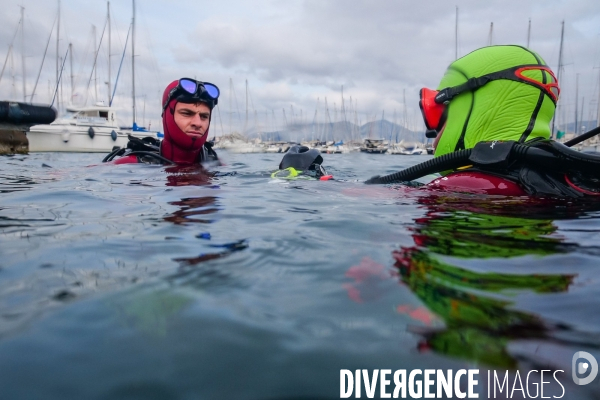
(408,148)
(83,130)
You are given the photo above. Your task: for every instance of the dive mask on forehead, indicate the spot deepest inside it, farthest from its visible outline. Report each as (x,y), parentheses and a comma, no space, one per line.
(189,90)
(433,103)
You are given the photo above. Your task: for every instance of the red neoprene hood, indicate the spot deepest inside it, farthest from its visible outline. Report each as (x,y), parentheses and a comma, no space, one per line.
(177,146)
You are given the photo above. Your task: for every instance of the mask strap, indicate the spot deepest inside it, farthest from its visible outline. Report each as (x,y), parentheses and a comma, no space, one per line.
(512,74)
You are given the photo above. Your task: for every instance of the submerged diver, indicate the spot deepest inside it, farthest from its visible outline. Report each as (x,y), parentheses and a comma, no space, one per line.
(187,110)
(490,118)
(301,162)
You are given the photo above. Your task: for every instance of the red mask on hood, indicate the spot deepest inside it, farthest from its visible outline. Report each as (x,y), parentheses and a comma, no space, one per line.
(177,146)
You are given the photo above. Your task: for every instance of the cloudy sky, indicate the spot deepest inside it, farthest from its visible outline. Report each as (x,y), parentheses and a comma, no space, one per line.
(294,54)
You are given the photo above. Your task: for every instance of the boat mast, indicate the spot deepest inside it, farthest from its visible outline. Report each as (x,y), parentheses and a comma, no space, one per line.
(345,130)
(562,35)
(598,112)
(356,119)
(133,60)
(314,121)
(328,121)
(23,51)
(246,122)
(528,32)
(12,74)
(394,129)
(95,69)
(490,38)
(109,55)
(71,68)
(57,53)
(404,117)
(456,36)
(576,102)
(381,124)
(581,113)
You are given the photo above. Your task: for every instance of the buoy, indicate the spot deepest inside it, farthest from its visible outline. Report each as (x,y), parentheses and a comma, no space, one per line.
(91,132)
(113,135)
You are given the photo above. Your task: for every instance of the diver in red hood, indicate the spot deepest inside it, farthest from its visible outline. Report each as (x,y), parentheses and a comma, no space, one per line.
(187,109)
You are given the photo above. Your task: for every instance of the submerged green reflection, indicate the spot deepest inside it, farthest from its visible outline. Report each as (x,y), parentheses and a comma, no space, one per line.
(475,304)
(151,310)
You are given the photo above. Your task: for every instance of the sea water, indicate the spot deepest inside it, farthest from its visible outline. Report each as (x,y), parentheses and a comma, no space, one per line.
(138,281)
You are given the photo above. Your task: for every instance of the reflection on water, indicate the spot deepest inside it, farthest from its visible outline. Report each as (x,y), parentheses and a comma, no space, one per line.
(473,300)
(15,183)
(223,250)
(192,175)
(192,207)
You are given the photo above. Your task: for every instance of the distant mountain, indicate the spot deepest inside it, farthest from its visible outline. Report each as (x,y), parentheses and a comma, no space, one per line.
(346,131)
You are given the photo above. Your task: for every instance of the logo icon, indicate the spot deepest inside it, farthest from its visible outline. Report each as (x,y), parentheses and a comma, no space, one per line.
(580,367)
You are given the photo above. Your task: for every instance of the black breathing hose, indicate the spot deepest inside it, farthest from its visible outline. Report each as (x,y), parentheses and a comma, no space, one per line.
(442,163)
(111,155)
(582,137)
(551,155)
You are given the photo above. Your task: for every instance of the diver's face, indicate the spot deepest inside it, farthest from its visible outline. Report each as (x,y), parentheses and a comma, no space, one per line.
(192,119)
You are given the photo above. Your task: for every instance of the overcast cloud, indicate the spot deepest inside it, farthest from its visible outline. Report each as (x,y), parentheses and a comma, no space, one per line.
(293,52)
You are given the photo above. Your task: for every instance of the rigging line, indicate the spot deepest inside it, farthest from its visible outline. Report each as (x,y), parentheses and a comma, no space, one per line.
(43,58)
(10,47)
(59,77)
(251,100)
(95,60)
(120,65)
(220,120)
(237,107)
(116,28)
(82,63)
(5,62)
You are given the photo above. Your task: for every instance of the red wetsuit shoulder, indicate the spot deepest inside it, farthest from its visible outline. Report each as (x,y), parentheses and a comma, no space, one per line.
(477,182)
(130,159)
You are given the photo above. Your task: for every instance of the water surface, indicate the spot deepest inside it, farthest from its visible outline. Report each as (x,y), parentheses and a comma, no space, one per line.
(140,281)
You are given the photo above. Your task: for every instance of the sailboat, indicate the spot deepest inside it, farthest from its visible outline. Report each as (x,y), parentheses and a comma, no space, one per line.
(92,128)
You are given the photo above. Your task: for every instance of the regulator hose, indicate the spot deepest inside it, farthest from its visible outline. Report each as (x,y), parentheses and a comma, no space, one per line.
(582,137)
(447,161)
(498,155)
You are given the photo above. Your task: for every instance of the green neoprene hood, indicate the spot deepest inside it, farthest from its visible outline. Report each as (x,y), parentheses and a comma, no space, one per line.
(500,110)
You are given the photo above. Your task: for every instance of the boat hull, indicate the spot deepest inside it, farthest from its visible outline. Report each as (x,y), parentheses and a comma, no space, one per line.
(373,151)
(77,140)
